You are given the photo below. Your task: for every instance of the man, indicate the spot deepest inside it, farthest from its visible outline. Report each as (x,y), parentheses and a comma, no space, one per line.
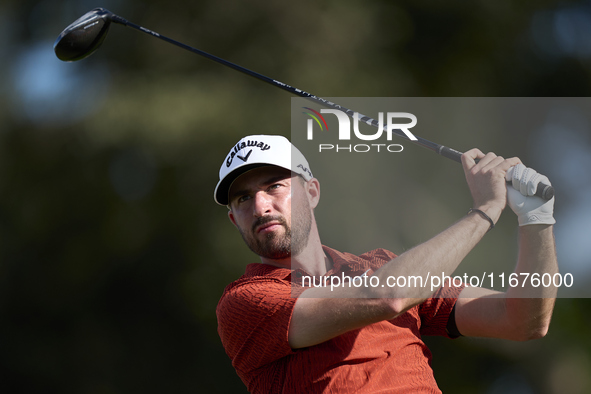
(283,337)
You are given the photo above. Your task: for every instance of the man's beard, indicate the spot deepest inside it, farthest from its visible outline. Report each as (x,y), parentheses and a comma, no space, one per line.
(276,246)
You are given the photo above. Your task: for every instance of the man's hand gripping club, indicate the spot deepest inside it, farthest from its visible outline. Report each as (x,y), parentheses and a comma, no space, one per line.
(487,175)
(528,208)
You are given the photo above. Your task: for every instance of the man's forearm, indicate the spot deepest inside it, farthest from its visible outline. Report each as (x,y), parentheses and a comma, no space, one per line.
(321,313)
(531,303)
(440,255)
(537,254)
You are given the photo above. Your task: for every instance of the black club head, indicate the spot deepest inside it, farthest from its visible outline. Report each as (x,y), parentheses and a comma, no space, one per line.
(83,36)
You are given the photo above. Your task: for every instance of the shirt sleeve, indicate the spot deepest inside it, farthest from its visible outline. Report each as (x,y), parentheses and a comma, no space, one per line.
(253,322)
(435,311)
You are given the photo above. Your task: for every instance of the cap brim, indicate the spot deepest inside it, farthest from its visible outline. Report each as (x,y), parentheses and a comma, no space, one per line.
(223,187)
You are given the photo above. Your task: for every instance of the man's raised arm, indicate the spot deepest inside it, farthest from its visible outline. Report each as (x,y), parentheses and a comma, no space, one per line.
(525,310)
(324,313)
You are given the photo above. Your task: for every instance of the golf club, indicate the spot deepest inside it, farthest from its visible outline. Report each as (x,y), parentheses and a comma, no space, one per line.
(80,39)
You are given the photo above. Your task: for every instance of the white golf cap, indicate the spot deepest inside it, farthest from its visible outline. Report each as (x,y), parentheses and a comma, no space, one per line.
(256,151)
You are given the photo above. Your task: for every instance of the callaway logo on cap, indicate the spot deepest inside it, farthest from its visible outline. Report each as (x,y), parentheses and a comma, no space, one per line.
(257,151)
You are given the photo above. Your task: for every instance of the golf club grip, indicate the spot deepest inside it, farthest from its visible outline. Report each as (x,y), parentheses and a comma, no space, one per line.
(543,191)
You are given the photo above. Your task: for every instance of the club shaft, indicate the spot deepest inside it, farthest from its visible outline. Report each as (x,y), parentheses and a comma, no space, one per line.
(298,92)
(544,191)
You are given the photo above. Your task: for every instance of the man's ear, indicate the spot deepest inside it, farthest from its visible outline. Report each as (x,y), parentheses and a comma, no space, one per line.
(313,189)
(231,216)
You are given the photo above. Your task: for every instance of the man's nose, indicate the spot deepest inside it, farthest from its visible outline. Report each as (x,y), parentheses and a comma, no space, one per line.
(262,204)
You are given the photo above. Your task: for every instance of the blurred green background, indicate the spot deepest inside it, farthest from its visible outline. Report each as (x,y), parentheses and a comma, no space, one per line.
(113,254)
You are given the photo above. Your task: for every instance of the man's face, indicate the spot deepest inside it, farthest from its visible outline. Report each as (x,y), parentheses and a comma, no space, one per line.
(261,209)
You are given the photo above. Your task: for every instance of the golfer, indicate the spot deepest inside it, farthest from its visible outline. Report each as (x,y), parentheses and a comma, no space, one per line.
(284,335)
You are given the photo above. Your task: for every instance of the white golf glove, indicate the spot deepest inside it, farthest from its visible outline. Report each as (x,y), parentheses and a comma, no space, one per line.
(529,208)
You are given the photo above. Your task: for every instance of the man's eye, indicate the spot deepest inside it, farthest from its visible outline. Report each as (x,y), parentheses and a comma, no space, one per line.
(275,186)
(243,198)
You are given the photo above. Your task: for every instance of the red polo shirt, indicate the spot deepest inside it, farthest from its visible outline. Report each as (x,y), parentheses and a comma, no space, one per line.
(254,313)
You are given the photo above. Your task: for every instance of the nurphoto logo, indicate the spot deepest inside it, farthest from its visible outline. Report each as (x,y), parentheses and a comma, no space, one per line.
(344,129)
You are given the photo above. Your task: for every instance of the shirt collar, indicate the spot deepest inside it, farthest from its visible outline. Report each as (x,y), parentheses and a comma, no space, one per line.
(260,269)
(347,263)
(342,262)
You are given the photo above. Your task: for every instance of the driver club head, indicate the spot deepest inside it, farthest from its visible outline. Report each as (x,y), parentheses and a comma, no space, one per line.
(84,36)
